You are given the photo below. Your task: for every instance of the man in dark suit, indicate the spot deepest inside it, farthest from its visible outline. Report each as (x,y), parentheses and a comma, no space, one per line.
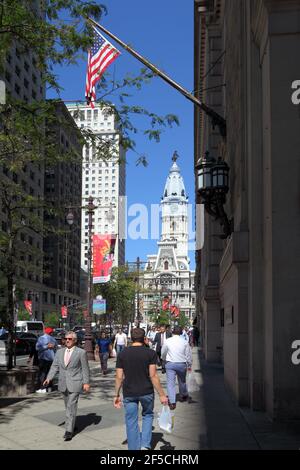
(74,376)
(159,341)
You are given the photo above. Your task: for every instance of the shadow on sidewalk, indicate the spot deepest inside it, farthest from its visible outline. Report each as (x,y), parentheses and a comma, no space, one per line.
(85,421)
(159,437)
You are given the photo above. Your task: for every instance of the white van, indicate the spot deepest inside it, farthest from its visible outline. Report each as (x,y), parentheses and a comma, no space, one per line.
(35,327)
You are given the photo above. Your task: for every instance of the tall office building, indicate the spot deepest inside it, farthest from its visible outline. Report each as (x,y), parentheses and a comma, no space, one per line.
(104,180)
(63,189)
(23,81)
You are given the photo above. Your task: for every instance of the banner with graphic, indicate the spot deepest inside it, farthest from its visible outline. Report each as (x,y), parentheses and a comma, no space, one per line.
(28,306)
(64,311)
(99,306)
(175,312)
(103,257)
(165,303)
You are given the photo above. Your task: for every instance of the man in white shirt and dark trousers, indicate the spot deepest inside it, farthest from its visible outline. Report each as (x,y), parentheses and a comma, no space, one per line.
(178,356)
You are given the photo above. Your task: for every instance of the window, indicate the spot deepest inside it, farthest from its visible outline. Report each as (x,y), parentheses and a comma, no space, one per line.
(26,83)
(17,88)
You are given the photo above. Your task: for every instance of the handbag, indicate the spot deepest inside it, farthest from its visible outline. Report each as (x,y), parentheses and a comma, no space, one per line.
(166,419)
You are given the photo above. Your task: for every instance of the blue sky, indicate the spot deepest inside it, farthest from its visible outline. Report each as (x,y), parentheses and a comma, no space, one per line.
(161,31)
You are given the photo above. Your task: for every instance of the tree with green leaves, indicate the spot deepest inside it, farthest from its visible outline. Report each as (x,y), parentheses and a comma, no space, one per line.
(161,317)
(182,320)
(119,293)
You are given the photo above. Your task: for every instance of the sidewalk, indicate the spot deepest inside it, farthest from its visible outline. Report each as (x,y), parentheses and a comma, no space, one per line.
(210,421)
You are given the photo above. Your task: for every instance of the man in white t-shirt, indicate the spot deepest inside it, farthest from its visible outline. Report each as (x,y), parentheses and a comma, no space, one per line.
(120,341)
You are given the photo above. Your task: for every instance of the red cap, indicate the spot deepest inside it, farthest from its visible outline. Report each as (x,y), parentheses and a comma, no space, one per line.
(48,330)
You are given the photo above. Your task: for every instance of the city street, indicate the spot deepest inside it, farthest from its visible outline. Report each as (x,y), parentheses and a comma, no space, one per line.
(210,421)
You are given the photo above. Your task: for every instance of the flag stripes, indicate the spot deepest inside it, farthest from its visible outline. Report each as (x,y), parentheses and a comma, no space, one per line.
(100,56)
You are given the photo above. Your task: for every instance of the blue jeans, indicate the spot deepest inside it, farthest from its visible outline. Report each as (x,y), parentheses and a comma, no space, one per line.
(174,369)
(120,347)
(135,438)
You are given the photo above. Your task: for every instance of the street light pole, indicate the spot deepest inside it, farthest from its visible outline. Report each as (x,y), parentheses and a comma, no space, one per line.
(88,345)
(90,208)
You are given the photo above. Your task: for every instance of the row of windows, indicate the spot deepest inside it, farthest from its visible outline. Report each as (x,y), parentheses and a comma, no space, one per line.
(89,114)
(61,299)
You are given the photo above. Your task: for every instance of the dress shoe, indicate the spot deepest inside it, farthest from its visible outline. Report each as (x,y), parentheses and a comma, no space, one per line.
(184,398)
(68,436)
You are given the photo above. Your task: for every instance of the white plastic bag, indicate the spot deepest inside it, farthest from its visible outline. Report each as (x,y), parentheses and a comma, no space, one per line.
(113,353)
(166,419)
(191,383)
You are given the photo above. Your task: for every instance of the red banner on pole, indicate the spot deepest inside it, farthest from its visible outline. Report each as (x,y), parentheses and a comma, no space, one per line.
(165,303)
(174,311)
(28,306)
(64,311)
(103,257)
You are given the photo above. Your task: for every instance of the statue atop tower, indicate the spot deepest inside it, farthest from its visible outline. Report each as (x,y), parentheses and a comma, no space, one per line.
(175,156)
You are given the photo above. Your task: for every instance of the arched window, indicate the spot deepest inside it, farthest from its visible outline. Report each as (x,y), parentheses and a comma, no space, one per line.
(166,265)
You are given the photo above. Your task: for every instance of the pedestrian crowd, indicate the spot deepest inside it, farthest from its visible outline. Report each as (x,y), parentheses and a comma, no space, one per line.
(136,380)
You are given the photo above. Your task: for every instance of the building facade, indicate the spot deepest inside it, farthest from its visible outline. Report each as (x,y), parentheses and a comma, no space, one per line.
(62,189)
(23,81)
(247,285)
(167,274)
(103,179)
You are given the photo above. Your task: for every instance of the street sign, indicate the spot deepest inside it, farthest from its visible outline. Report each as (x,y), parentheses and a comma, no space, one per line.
(99,306)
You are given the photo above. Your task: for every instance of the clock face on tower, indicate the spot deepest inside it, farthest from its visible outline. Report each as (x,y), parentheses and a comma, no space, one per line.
(182,266)
(174,208)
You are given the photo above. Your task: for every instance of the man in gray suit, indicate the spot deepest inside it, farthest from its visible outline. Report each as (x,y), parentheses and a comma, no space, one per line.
(74,376)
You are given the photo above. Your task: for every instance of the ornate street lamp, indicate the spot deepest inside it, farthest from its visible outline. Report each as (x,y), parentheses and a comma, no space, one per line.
(212,186)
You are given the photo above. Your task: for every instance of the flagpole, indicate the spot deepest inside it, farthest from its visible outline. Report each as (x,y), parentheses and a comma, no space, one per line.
(217,120)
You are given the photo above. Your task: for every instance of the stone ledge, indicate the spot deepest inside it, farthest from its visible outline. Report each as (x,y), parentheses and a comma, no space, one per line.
(18,382)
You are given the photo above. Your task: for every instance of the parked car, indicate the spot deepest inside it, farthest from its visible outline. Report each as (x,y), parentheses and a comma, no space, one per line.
(77,328)
(59,334)
(24,342)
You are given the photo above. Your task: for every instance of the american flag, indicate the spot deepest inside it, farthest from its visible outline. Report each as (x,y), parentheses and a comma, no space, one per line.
(100,56)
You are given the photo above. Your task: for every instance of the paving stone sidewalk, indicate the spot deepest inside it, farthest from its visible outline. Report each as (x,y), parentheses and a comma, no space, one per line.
(210,421)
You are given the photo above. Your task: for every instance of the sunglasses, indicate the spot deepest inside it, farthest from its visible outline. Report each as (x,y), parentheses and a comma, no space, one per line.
(69,339)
